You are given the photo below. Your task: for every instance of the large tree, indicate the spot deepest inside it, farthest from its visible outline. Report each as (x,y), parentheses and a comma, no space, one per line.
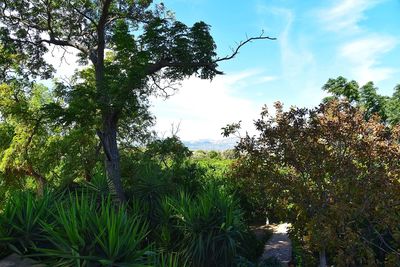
(338,174)
(366,97)
(147,46)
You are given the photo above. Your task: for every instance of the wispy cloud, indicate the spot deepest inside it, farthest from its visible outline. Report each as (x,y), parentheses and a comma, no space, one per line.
(203,107)
(296,58)
(345,15)
(364,57)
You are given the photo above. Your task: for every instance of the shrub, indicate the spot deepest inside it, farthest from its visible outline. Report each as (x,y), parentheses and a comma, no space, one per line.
(84,233)
(251,247)
(211,225)
(20,227)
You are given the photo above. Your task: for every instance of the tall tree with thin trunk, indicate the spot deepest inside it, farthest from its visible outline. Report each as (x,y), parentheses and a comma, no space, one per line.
(147,47)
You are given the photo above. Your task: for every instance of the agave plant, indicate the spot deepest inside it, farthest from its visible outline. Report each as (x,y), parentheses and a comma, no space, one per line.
(83,234)
(169,260)
(120,236)
(20,226)
(212,225)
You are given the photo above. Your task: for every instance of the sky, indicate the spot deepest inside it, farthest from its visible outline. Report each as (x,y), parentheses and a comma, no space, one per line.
(316,40)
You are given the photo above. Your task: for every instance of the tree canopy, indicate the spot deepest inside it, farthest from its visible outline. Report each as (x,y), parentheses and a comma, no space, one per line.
(132,49)
(338,175)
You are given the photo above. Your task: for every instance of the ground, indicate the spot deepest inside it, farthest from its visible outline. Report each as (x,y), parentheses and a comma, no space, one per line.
(16,261)
(279,246)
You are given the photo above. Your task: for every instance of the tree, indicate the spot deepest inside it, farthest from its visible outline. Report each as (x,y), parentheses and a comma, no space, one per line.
(365,97)
(340,87)
(338,174)
(393,107)
(372,102)
(147,46)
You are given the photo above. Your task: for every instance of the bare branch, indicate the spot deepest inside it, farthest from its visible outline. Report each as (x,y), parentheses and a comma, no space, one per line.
(243,43)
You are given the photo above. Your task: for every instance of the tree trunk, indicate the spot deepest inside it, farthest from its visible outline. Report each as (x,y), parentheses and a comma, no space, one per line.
(41,182)
(108,138)
(322,258)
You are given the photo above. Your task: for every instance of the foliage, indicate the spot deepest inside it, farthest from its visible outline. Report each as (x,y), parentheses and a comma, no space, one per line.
(81,225)
(338,175)
(393,107)
(83,233)
(366,97)
(251,246)
(251,189)
(35,146)
(20,221)
(148,50)
(211,225)
(75,230)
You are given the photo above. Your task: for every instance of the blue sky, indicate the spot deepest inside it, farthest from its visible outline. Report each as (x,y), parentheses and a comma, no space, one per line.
(317,40)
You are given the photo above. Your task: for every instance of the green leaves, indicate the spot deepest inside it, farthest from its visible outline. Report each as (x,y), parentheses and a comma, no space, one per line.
(20,221)
(366,97)
(332,172)
(83,233)
(211,226)
(75,230)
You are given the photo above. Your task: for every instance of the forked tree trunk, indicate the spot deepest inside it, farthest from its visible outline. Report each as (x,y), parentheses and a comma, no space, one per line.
(108,138)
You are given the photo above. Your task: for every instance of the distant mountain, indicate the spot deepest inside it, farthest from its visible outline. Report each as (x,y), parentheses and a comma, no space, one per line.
(209,144)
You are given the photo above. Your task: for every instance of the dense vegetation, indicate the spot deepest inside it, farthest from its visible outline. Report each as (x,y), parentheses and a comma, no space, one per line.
(85,182)
(333,171)
(180,210)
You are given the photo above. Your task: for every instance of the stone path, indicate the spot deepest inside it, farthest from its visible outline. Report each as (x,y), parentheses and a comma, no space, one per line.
(16,261)
(279,245)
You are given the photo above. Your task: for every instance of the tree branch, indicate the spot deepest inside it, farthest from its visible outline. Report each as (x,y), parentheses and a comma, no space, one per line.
(243,43)
(163,63)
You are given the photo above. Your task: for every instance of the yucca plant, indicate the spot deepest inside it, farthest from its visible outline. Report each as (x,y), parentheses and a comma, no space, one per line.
(169,260)
(120,236)
(85,233)
(149,192)
(167,233)
(212,226)
(99,185)
(70,233)
(21,230)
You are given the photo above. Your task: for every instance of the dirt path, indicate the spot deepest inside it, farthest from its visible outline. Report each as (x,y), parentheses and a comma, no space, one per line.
(279,246)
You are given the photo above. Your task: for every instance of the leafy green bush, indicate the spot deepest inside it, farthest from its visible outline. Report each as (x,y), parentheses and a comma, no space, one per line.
(252,247)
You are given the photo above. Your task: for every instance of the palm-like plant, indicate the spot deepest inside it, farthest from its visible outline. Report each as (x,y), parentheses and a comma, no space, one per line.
(20,227)
(212,226)
(84,234)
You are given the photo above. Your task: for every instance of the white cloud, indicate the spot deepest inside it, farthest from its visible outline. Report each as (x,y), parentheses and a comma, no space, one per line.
(345,15)
(203,107)
(363,55)
(296,56)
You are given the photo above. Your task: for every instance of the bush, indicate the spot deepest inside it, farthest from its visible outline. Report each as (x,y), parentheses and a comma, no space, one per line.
(75,229)
(20,226)
(211,225)
(85,232)
(251,247)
